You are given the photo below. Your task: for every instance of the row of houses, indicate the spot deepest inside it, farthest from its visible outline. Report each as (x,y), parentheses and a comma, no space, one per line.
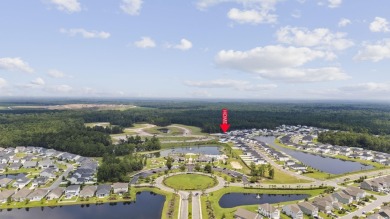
(69,192)
(380,184)
(249,154)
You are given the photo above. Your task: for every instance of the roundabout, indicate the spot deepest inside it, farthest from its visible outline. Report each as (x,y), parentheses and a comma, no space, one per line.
(190,181)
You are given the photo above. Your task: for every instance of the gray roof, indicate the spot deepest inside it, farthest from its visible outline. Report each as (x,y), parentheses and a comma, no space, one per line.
(243,213)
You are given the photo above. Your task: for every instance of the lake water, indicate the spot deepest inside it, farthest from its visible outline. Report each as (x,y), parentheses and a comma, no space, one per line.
(207,149)
(147,206)
(231,200)
(325,164)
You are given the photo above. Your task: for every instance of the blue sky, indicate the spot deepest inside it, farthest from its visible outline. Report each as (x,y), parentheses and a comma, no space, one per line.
(245,49)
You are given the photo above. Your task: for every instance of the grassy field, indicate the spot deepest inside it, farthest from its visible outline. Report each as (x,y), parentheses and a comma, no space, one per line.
(284,178)
(93,124)
(190,182)
(193,129)
(173,131)
(229,212)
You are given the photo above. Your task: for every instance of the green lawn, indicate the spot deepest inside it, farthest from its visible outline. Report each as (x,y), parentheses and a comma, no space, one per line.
(190,182)
(93,124)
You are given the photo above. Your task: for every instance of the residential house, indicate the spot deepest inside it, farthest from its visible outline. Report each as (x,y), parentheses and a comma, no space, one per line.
(45,164)
(103,191)
(21,182)
(245,214)
(323,206)
(55,193)
(293,211)
(4,182)
(371,185)
(343,198)
(40,181)
(71,191)
(15,166)
(29,164)
(356,193)
(49,172)
(120,188)
(21,195)
(298,167)
(3,167)
(269,211)
(308,209)
(38,194)
(88,191)
(5,194)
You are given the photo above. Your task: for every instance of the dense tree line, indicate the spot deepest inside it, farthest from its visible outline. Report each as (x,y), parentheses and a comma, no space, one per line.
(114,169)
(362,140)
(65,130)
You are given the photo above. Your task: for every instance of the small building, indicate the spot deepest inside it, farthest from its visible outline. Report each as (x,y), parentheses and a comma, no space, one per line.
(40,181)
(38,194)
(323,206)
(103,191)
(356,193)
(72,191)
(308,209)
(29,164)
(55,193)
(21,182)
(343,198)
(21,195)
(5,194)
(293,211)
(245,214)
(269,211)
(4,182)
(88,192)
(120,188)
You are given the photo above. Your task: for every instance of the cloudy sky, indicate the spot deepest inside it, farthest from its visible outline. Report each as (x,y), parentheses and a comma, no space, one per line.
(246,49)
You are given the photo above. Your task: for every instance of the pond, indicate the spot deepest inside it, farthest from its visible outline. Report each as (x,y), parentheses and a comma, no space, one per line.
(201,149)
(231,200)
(148,205)
(322,163)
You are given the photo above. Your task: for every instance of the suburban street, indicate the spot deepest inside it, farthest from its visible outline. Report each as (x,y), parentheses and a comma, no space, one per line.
(59,179)
(183,214)
(369,207)
(196,207)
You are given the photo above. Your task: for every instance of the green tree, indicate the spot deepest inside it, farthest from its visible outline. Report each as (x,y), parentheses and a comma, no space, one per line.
(169,162)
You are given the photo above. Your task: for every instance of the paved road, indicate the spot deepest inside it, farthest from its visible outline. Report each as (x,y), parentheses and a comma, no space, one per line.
(183,214)
(369,207)
(196,207)
(59,179)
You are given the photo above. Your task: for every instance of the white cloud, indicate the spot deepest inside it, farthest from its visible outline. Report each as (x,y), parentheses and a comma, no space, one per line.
(280,63)
(296,14)
(334,3)
(15,64)
(131,7)
(380,25)
(145,42)
(3,83)
(254,11)
(54,73)
(368,87)
(375,52)
(69,6)
(344,22)
(38,82)
(85,34)
(228,83)
(183,45)
(251,16)
(268,57)
(320,37)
